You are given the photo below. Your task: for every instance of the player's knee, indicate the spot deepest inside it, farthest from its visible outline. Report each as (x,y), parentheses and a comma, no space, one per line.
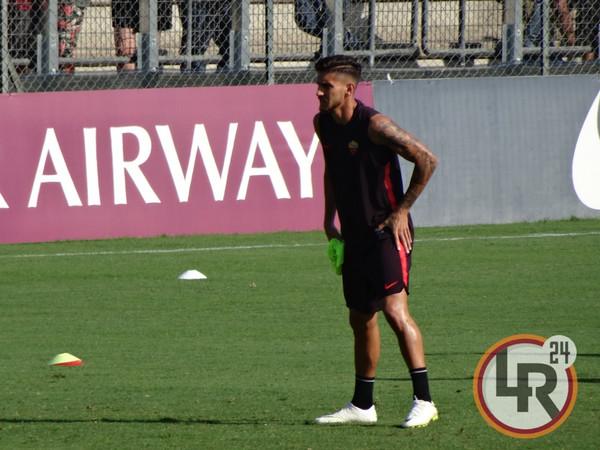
(362,322)
(399,320)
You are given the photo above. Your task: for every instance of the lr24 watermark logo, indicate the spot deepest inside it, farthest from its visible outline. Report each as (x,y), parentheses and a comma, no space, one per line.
(525,386)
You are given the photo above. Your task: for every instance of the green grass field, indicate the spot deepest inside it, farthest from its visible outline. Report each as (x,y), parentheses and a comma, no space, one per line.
(250,356)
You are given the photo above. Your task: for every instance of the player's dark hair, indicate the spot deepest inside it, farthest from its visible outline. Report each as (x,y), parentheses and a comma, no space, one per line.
(341,64)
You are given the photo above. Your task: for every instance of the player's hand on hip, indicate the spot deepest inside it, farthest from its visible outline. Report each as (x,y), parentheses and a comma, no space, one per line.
(398,223)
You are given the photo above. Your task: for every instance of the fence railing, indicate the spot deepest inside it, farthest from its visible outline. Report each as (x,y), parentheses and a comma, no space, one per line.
(53,45)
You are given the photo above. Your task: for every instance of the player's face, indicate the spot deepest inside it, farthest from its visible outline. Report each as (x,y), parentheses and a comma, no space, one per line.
(332,90)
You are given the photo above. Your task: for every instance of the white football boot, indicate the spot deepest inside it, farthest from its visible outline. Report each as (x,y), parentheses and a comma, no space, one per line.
(350,414)
(421,413)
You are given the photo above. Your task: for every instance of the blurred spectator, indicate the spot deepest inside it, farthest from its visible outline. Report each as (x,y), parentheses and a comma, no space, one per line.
(561,17)
(312,16)
(21,41)
(203,20)
(126,23)
(27,20)
(588,22)
(70,18)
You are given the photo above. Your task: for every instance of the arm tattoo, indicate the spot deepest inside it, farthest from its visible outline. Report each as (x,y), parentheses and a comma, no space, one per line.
(409,147)
(394,135)
(401,141)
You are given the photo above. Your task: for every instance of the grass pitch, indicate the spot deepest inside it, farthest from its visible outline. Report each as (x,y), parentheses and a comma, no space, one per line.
(248,357)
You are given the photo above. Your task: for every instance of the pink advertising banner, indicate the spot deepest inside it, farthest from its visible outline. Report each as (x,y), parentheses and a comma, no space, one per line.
(104,164)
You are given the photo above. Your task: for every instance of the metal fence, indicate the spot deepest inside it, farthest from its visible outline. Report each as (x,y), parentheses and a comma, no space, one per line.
(48,45)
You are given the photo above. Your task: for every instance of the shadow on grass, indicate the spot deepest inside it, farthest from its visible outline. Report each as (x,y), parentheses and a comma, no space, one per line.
(430,379)
(579,380)
(172,420)
(160,420)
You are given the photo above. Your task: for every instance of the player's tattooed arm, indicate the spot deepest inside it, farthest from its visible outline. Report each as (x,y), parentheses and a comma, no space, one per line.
(383,131)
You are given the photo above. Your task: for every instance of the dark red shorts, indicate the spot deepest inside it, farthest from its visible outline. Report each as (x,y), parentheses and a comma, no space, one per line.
(371,275)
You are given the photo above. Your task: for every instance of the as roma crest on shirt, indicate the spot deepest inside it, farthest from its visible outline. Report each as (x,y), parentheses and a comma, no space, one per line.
(353,147)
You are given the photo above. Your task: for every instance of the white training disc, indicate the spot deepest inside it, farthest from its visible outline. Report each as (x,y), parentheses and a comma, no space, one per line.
(192,275)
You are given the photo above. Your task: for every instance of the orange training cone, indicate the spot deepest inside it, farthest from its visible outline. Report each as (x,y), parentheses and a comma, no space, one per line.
(65,359)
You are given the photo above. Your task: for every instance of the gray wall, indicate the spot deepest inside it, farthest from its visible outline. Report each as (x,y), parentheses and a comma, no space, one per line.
(505,145)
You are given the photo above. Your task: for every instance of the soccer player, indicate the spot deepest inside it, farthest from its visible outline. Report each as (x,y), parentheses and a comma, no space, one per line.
(363,186)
